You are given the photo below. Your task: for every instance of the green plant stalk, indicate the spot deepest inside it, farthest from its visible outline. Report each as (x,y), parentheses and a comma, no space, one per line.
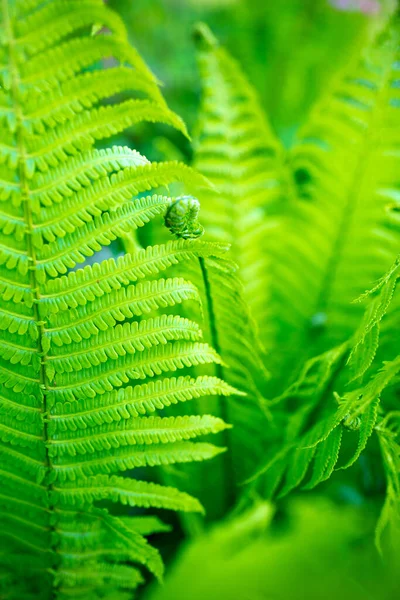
(19,132)
(228,475)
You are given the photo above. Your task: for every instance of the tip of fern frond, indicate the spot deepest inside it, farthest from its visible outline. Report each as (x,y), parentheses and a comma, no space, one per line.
(181,126)
(236,392)
(220,450)
(203,37)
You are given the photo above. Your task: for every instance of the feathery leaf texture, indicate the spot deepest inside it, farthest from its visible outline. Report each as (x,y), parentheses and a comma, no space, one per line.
(366,339)
(334,231)
(311,228)
(339,227)
(388,430)
(311,453)
(237,151)
(74,344)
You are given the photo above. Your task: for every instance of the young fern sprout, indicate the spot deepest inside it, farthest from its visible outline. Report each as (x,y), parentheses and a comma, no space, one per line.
(181,218)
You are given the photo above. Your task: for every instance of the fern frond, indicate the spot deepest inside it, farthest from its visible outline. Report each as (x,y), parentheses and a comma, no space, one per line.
(366,339)
(313,452)
(389,521)
(339,232)
(237,150)
(73,347)
(242,354)
(242,367)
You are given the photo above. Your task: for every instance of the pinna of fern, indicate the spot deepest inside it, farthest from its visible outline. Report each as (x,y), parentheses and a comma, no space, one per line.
(87,357)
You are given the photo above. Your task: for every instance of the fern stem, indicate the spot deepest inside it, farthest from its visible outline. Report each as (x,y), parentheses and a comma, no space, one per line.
(228,475)
(212,324)
(31,252)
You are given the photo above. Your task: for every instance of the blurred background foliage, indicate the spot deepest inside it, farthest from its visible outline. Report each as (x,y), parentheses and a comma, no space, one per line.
(315,550)
(289,49)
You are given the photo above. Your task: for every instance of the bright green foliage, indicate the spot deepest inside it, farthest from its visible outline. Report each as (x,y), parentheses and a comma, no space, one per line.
(388,434)
(229,329)
(311,229)
(235,150)
(238,152)
(252,336)
(339,232)
(311,451)
(297,233)
(314,552)
(367,336)
(316,453)
(87,355)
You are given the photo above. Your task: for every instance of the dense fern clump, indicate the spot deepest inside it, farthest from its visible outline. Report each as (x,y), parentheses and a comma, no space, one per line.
(346,202)
(311,229)
(267,322)
(87,355)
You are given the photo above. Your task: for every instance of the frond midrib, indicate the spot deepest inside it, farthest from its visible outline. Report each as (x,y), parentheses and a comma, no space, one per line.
(24,187)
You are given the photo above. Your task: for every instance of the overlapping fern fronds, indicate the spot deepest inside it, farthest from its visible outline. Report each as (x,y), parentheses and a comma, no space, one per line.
(320,241)
(315,447)
(237,152)
(87,356)
(340,231)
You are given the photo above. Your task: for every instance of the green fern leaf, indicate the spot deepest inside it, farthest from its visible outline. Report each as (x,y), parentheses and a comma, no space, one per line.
(339,232)
(125,491)
(389,520)
(134,401)
(311,453)
(74,344)
(366,339)
(238,152)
